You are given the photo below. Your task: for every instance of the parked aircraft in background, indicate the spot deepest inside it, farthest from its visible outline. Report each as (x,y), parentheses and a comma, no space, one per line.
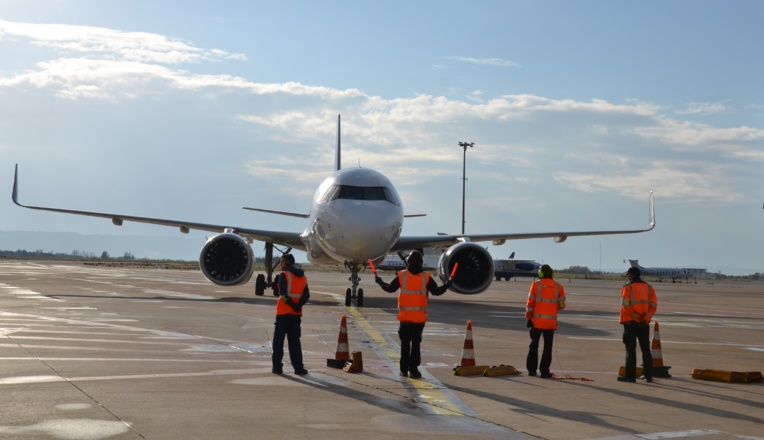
(397,261)
(662,272)
(515,268)
(356,216)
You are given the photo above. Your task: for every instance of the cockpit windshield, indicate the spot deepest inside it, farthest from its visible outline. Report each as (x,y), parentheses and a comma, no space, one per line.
(349,192)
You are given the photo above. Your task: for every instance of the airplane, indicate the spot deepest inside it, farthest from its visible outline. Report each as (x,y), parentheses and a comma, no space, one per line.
(397,261)
(356,217)
(662,272)
(512,268)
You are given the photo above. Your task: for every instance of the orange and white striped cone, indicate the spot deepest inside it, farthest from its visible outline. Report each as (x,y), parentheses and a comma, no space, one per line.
(468,352)
(659,370)
(468,367)
(342,355)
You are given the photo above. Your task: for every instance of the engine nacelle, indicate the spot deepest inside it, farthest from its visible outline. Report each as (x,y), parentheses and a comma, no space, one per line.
(475,271)
(227,259)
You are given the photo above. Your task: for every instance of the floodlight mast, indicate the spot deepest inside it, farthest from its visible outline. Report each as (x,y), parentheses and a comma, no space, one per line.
(464,145)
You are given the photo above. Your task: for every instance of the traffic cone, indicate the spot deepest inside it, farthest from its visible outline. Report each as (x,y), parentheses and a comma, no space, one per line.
(659,370)
(467,366)
(468,352)
(342,355)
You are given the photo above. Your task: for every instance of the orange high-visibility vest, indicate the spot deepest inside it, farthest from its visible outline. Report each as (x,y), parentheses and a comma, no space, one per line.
(295,287)
(412,299)
(545,298)
(638,302)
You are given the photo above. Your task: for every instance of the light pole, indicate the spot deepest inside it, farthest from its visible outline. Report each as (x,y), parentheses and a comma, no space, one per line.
(464,145)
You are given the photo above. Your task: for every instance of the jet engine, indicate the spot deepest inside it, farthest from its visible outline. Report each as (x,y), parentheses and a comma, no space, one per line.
(475,271)
(227,259)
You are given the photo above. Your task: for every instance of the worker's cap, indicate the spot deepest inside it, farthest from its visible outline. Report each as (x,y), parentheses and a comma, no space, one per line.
(633,271)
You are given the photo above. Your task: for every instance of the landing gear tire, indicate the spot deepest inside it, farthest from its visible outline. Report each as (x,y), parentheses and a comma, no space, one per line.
(359,301)
(347,298)
(260,285)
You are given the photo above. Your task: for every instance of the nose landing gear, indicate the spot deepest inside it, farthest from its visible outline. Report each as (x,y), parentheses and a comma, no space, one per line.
(353,293)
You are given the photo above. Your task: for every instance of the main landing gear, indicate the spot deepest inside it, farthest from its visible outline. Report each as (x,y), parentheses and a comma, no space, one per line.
(354,292)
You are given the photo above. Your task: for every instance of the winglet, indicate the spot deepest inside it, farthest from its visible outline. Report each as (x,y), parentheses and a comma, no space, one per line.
(338,164)
(652,214)
(15,194)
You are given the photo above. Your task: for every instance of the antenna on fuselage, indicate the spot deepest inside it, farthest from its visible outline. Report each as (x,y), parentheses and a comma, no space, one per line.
(338,164)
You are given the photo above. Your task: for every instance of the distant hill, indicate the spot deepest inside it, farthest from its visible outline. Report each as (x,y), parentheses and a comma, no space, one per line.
(182,247)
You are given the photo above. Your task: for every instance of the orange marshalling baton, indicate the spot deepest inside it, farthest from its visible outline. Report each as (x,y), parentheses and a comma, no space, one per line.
(373,269)
(453,271)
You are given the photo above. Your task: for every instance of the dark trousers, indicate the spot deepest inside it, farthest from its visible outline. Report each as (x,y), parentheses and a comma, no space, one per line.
(287,326)
(532,362)
(411,338)
(631,334)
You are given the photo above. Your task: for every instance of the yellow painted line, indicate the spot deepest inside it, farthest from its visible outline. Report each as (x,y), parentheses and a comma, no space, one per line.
(432,392)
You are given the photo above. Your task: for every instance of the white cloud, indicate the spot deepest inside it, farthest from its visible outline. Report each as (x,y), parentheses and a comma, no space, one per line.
(112,44)
(700,109)
(497,62)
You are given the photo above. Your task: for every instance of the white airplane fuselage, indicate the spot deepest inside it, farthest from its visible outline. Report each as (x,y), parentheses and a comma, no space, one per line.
(356,215)
(660,272)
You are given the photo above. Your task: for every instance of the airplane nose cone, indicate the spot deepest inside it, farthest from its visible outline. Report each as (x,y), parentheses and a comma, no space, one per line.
(366,234)
(361,232)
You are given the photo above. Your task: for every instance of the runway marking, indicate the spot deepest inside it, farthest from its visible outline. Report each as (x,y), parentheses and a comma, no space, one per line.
(111,341)
(70,428)
(721,344)
(183,295)
(90,359)
(432,392)
(690,433)
(50,378)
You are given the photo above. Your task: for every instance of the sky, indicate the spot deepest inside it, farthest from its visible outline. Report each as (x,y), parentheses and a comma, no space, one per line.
(190,110)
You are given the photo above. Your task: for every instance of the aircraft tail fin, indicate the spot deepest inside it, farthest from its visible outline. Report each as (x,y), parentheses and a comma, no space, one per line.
(338,162)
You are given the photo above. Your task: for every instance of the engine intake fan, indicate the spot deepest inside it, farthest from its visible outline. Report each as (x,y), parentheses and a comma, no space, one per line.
(227,259)
(475,271)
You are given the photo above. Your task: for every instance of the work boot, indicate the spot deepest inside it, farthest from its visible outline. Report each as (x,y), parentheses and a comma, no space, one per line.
(626,379)
(415,374)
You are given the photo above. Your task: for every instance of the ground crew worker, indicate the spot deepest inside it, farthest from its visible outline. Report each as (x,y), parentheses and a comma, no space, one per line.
(294,293)
(638,306)
(414,284)
(545,298)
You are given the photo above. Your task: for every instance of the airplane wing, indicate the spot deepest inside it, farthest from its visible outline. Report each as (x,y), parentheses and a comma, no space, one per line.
(291,239)
(418,242)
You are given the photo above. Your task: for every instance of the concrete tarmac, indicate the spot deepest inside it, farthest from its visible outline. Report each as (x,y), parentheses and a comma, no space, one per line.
(95,352)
